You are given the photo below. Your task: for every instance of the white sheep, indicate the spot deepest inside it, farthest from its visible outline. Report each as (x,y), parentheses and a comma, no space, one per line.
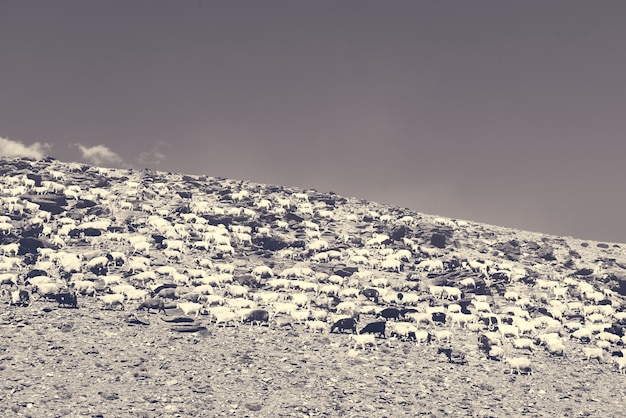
(518,364)
(316,325)
(523,343)
(402,330)
(191,308)
(363,341)
(237,290)
(452,293)
(112,300)
(555,347)
(421,337)
(391,264)
(621,364)
(594,352)
(443,336)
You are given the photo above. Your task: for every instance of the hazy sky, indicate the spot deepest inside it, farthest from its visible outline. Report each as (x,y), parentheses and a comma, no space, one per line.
(506,112)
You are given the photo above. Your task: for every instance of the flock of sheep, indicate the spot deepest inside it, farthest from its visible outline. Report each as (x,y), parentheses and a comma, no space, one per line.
(233,253)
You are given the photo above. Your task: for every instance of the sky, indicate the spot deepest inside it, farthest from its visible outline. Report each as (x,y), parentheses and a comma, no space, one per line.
(511,113)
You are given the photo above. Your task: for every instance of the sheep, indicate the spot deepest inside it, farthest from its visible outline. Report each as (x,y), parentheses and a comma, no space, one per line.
(257,316)
(593,352)
(363,340)
(420,317)
(316,325)
(462,319)
(84,287)
(481,306)
(262,272)
(451,293)
(523,343)
(344,324)
(443,336)
(5,228)
(509,330)
(511,295)
(9,279)
(607,336)
(112,300)
(153,303)
(555,347)
(454,356)
(402,330)
(374,328)
(20,297)
(191,308)
(391,264)
(620,362)
(422,337)
(240,303)
(517,364)
(224,317)
(582,334)
(299,315)
(495,353)
(46,290)
(436,291)
(10,249)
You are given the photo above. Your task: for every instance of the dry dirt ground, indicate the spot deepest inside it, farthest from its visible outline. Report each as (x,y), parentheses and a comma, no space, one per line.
(88,362)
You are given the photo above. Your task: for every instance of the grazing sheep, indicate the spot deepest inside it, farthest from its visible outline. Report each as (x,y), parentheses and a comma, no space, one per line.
(191,308)
(374,328)
(224,317)
(20,297)
(523,343)
(344,324)
(402,330)
(443,336)
(454,355)
(422,337)
(153,303)
(390,313)
(621,364)
(257,317)
(113,300)
(582,334)
(517,364)
(363,340)
(316,325)
(593,352)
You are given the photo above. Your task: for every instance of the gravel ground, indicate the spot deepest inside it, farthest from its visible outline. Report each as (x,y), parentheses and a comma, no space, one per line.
(89,362)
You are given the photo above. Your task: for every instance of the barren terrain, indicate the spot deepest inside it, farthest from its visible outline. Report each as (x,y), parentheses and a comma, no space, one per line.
(99,361)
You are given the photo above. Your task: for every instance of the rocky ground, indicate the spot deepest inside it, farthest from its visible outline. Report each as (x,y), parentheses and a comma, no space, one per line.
(89,362)
(94,362)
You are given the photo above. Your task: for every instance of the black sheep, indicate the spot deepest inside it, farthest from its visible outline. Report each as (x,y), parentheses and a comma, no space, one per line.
(344,324)
(374,328)
(67,299)
(454,356)
(390,313)
(257,316)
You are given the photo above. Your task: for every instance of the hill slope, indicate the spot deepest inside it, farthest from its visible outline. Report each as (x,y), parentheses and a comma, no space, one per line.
(302,256)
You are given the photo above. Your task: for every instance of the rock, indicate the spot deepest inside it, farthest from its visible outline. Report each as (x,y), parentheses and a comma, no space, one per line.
(398,233)
(30,246)
(546,252)
(270,243)
(438,240)
(255,407)
(511,249)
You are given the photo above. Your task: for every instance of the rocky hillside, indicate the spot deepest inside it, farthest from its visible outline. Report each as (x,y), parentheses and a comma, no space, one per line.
(145,293)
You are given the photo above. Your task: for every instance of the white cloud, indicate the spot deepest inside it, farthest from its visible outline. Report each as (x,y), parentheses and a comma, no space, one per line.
(100,155)
(10,148)
(151,157)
